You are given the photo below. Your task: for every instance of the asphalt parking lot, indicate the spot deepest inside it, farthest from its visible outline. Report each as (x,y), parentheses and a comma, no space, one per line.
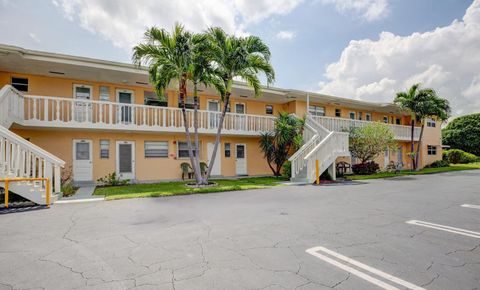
(402,233)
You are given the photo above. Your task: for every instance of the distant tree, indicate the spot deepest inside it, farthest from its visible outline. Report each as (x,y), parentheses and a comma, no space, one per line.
(463,133)
(285,139)
(422,104)
(369,141)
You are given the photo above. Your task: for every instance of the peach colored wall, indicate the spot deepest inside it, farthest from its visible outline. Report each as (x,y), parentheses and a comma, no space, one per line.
(147,169)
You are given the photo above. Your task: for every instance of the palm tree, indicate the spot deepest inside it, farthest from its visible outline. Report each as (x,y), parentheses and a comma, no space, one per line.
(422,104)
(237,57)
(277,145)
(172,57)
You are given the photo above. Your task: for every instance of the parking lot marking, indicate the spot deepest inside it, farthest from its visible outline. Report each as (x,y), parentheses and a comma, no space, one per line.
(471,206)
(445,228)
(315,252)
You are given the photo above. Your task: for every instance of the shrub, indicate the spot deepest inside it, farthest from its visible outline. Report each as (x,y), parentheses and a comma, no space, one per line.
(456,156)
(463,133)
(365,168)
(287,169)
(68,188)
(112,180)
(438,163)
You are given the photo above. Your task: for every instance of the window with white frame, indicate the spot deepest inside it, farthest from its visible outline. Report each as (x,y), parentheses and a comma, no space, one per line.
(352,115)
(368,116)
(104,93)
(269,109)
(156,149)
(431,123)
(431,150)
(20,84)
(228,149)
(189,103)
(151,99)
(182,149)
(104,149)
(338,113)
(316,110)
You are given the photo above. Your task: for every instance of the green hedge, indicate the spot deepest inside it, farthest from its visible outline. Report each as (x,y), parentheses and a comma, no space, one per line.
(456,156)
(438,163)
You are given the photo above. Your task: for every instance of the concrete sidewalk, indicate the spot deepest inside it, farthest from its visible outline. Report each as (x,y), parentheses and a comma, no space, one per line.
(83,194)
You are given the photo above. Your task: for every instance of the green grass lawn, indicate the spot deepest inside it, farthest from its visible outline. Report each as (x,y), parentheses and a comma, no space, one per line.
(179,188)
(453,167)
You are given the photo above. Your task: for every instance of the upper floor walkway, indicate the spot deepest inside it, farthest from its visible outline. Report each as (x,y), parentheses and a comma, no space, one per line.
(58,112)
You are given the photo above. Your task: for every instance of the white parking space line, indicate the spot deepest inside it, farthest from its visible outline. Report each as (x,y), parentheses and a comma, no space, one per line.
(471,206)
(445,228)
(315,252)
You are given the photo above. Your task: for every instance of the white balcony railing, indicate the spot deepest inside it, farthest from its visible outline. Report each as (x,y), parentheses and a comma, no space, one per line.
(74,113)
(341,125)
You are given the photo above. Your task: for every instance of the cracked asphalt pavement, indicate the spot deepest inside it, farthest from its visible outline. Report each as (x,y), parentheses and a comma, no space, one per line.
(250,239)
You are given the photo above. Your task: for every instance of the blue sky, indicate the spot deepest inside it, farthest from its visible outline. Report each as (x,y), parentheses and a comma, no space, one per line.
(307,38)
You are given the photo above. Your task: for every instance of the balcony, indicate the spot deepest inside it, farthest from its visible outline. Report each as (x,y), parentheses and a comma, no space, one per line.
(402,133)
(41,111)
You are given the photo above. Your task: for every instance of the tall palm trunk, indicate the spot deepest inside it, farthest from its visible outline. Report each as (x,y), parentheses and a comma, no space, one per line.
(412,149)
(198,172)
(417,154)
(217,137)
(182,95)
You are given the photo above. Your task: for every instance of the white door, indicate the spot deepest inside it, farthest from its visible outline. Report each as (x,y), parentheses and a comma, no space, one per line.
(82,160)
(213,118)
(83,108)
(125,112)
(386,158)
(240,119)
(241,159)
(216,170)
(126,159)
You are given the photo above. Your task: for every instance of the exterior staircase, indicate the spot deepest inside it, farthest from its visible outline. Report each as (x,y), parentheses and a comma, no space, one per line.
(319,144)
(32,172)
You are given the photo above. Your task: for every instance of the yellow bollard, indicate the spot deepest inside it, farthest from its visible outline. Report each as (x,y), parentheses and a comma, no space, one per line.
(47,192)
(317,173)
(6,192)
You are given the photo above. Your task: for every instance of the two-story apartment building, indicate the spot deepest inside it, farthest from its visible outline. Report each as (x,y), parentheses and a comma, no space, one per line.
(102,116)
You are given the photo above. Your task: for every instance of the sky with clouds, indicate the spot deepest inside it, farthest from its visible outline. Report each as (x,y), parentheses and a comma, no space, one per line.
(360,49)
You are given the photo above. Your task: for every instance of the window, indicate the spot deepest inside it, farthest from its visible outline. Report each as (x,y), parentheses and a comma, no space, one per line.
(385,119)
(104,93)
(431,123)
(316,110)
(338,113)
(188,103)
(151,99)
(104,149)
(20,84)
(368,116)
(269,109)
(360,115)
(156,149)
(352,115)
(227,150)
(82,92)
(398,121)
(182,149)
(431,150)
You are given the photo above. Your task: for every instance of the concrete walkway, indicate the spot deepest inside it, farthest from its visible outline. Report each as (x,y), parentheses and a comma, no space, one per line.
(83,194)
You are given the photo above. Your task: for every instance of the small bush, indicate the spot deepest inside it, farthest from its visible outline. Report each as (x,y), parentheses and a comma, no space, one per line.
(366,168)
(456,156)
(438,163)
(68,188)
(112,180)
(287,169)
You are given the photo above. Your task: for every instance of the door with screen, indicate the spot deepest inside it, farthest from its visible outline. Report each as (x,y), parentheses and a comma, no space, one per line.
(241,159)
(126,159)
(82,107)
(213,114)
(82,160)
(126,111)
(240,118)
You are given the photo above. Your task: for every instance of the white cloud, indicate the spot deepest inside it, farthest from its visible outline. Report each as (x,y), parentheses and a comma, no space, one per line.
(446,59)
(369,10)
(286,35)
(34,37)
(123,22)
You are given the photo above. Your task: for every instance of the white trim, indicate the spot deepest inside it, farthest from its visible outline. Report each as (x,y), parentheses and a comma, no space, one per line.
(117,158)
(244,108)
(82,86)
